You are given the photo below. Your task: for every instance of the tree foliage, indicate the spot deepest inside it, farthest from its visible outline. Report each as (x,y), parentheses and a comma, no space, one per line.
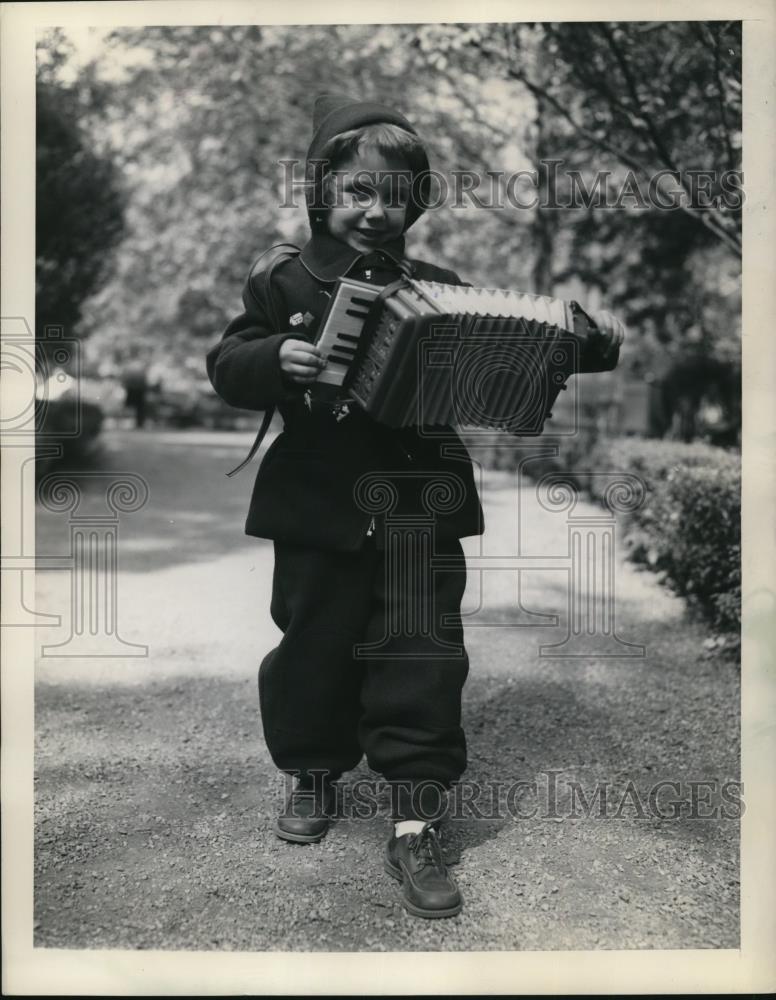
(199,119)
(79,206)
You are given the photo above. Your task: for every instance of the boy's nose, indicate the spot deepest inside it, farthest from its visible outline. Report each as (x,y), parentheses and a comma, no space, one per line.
(376,208)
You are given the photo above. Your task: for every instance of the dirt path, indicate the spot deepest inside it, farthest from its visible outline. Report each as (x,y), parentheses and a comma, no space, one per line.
(155,795)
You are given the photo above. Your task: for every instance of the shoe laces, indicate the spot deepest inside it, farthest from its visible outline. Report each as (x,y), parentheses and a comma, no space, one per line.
(427,849)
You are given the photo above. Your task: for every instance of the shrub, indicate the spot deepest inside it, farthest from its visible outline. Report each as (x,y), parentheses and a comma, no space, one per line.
(689,526)
(75,427)
(701,543)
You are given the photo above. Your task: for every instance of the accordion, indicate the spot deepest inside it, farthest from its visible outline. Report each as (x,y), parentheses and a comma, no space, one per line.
(426,353)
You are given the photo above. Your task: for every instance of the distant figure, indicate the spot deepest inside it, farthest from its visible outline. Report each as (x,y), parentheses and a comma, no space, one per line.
(135,383)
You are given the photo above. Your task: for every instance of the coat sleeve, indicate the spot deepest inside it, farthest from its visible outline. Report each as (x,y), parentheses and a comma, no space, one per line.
(451,278)
(244,367)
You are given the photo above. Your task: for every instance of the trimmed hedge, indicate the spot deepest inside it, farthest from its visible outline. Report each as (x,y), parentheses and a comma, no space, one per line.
(689,527)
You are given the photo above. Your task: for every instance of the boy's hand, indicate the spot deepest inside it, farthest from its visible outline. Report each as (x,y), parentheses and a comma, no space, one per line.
(300,361)
(612,329)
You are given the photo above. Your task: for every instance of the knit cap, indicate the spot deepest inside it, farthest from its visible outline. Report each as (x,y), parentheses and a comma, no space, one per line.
(336,113)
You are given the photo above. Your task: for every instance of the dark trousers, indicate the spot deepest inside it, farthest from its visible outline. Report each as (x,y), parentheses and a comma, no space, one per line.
(325,703)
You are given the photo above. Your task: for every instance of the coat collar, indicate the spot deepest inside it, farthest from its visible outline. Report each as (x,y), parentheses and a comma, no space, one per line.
(327,258)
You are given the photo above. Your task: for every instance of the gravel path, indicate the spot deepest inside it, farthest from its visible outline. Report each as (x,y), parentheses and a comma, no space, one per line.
(155,795)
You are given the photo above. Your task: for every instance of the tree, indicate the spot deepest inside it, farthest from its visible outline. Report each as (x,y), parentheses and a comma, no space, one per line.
(79,209)
(199,128)
(636,100)
(649,97)
(200,118)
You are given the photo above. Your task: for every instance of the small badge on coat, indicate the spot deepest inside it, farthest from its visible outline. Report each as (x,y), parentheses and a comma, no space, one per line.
(308,318)
(296,319)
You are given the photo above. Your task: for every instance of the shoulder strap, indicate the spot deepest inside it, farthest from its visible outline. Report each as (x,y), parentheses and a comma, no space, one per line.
(260,275)
(260,288)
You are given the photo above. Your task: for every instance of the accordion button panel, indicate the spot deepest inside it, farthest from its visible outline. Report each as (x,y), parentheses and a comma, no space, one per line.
(341,328)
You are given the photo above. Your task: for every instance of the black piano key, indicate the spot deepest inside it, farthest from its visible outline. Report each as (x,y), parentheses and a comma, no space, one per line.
(339,359)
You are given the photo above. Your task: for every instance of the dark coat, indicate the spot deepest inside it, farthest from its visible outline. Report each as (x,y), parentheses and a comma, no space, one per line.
(304,490)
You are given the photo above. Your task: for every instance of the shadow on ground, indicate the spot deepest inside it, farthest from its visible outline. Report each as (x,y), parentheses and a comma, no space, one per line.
(155,807)
(194,512)
(155,796)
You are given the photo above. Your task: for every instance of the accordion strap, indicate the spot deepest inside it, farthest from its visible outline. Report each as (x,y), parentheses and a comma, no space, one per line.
(275,256)
(267,420)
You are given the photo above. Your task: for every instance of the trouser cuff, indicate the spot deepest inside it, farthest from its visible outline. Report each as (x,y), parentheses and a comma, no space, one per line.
(418,800)
(315,779)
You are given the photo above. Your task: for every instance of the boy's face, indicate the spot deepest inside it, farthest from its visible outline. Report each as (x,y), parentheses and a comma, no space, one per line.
(368,195)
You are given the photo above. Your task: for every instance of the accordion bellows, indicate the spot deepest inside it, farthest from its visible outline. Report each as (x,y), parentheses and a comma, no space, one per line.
(430,354)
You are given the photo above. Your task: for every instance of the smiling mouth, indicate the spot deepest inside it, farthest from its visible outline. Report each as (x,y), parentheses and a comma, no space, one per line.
(371,234)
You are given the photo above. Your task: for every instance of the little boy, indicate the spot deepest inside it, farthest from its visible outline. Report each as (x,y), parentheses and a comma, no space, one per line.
(324,706)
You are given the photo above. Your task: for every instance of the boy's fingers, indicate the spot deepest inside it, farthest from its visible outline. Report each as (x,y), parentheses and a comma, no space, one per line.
(302,371)
(305,358)
(617,331)
(304,347)
(301,368)
(610,326)
(298,349)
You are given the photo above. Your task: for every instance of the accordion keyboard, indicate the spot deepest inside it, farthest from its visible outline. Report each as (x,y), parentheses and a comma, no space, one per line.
(342,326)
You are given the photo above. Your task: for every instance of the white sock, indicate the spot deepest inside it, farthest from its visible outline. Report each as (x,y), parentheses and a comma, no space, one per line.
(406,826)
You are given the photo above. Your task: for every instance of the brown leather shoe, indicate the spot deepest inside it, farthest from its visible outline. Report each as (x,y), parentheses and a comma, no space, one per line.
(307,813)
(416,860)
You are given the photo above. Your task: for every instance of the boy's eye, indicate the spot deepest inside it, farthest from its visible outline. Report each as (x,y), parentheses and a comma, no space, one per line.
(358,192)
(395,196)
